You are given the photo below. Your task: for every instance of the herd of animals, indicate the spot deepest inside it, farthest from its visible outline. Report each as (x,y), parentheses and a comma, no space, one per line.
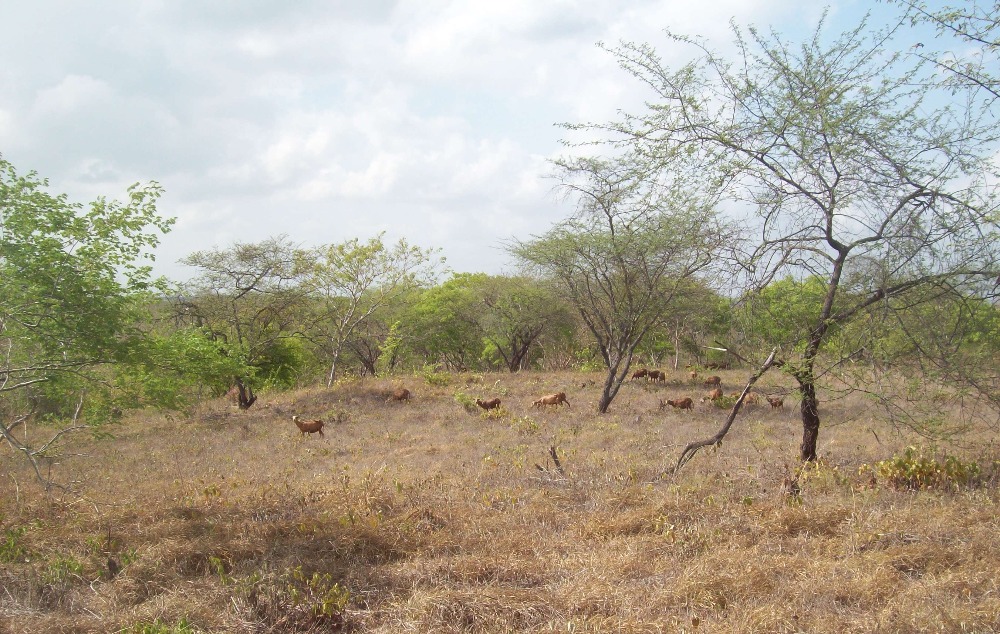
(685,403)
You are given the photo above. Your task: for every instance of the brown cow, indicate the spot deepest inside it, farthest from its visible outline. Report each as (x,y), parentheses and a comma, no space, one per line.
(776,402)
(552,399)
(490,404)
(682,403)
(640,373)
(308,426)
(657,375)
(713,380)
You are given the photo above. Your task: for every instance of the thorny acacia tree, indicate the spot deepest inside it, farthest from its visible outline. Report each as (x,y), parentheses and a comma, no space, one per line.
(72,289)
(975,26)
(621,259)
(351,280)
(859,172)
(246,296)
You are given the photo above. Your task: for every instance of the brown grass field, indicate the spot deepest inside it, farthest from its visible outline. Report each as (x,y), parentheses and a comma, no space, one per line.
(428,517)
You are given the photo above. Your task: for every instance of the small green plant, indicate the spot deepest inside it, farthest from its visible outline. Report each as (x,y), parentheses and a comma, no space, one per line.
(60,569)
(218,567)
(465,401)
(296,600)
(495,414)
(159,627)
(11,550)
(524,425)
(318,593)
(434,375)
(915,471)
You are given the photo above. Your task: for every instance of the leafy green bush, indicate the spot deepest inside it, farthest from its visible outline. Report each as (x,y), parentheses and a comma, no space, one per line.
(466,401)
(297,600)
(434,376)
(915,470)
(11,549)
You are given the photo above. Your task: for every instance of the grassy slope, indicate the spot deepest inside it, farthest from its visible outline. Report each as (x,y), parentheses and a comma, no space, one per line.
(438,519)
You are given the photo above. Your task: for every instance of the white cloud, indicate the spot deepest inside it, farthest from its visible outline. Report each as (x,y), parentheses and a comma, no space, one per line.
(430,119)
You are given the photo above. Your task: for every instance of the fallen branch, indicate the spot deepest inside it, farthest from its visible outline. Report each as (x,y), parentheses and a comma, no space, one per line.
(716,440)
(555,458)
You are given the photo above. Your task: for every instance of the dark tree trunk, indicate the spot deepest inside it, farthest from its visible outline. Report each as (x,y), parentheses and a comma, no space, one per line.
(246,397)
(810,420)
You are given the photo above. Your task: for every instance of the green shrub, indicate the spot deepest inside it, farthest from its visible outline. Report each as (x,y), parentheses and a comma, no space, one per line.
(434,375)
(914,470)
(159,627)
(466,401)
(11,550)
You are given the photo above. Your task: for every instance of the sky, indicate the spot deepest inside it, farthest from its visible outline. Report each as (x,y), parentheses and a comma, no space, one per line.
(326,120)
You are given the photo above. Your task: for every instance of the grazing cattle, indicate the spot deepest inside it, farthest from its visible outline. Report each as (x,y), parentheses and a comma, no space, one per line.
(493,403)
(402,394)
(552,399)
(308,426)
(658,376)
(682,403)
(776,402)
(713,380)
(640,374)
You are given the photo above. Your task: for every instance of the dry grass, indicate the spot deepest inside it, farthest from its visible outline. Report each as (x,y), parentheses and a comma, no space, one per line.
(437,518)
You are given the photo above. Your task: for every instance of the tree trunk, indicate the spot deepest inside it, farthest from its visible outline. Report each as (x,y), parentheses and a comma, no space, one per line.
(677,346)
(245,396)
(602,407)
(810,416)
(337,350)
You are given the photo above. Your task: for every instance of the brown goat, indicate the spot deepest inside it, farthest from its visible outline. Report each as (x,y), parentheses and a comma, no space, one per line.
(552,399)
(682,403)
(776,402)
(713,395)
(402,394)
(640,373)
(308,426)
(713,380)
(490,404)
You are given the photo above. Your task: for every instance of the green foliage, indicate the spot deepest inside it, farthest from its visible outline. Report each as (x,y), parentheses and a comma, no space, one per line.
(915,469)
(783,312)
(434,375)
(74,293)
(61,568)
(281,362)
(295,600)
(466,401)
(174,366)
(444,324)
(11,549)
(159,627)
(318,593)
(390,350)
(350,281)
